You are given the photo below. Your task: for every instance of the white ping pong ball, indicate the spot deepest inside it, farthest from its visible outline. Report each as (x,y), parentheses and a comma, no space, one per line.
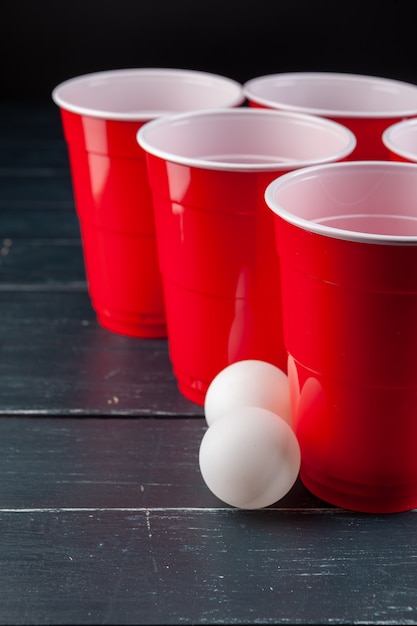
(250,458)
(248,383)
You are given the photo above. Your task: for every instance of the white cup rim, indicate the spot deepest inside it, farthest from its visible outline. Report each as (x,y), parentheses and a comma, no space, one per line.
(66,100)
(389,138)
(246,113)
(339,80)
(330,231)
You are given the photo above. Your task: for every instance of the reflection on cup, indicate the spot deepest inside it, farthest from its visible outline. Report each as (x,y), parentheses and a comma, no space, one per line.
(346,234)
(101,114)
(208,172)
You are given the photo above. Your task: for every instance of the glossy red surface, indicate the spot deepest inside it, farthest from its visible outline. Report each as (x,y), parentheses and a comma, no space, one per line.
(368,133)
(396,157)
(114,206)
(220,269)
(349,312)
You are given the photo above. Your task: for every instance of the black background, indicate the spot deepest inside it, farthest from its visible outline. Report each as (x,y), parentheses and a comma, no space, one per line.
(46,41)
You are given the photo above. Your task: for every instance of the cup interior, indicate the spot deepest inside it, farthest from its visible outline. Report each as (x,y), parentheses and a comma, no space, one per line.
(334,94)
(246,139)
(145,93)
(401,139)
(371,201)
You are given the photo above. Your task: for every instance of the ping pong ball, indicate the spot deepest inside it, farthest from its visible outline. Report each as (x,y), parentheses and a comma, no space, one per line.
(250,458)
(248,383)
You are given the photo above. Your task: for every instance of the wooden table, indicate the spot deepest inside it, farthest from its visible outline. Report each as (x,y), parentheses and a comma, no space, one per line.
(104,516)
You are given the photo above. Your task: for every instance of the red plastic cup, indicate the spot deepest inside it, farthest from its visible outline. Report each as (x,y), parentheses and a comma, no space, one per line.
(365,104)
(347,239)
(101,114)
(401,141)
(208,172)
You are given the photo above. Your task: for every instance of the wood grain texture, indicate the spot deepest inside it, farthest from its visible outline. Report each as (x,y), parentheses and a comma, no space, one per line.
(113,462)
(44,223)
(54,263)
(37,188)
(152,566)
(109,521)
(56,359)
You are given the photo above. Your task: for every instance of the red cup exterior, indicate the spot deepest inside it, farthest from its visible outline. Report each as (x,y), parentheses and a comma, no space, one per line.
(368,133)
(367,130)
(393,156)
(114,206)
(349,313)
(220,266)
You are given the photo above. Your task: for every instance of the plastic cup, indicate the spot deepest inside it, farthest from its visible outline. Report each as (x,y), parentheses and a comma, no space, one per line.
(365,104)
(101,114)
(401,141)
(347,239)
(208,172)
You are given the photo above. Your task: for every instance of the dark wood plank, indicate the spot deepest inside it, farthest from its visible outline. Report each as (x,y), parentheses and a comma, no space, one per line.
(109,463)
(32,140)
(147,566)
(109,521)
(39,223)
(24,120)
(56,359)
(34,189)
(36,153)
(49,262)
